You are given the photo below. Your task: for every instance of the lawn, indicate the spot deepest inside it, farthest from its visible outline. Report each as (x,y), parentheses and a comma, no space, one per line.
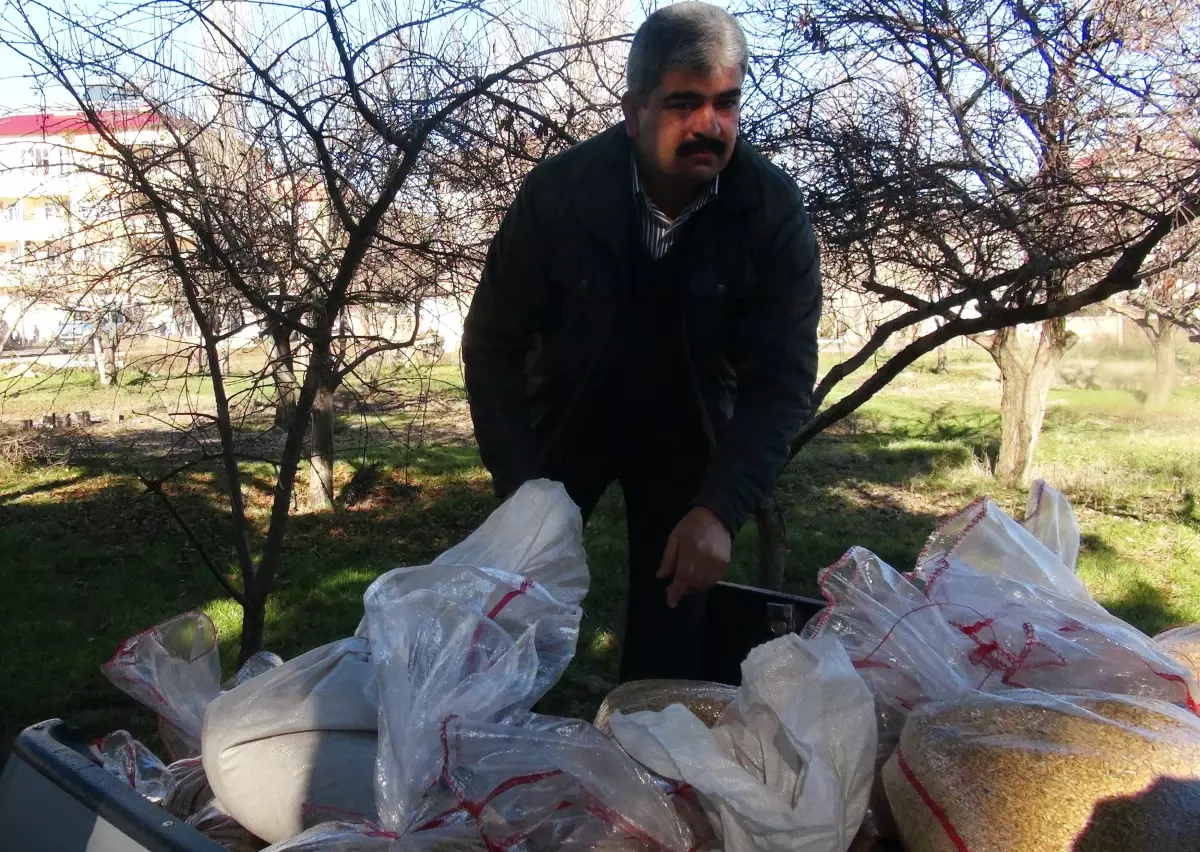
(88,560)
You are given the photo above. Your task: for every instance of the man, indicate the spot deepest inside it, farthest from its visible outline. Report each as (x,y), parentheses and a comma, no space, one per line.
(647,314)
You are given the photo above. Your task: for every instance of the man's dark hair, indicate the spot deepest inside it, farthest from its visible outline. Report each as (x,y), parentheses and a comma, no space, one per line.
(690,35)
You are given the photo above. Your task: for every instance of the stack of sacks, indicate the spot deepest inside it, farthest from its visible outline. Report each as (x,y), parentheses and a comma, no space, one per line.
(459,652)
(353,732)
(993,608)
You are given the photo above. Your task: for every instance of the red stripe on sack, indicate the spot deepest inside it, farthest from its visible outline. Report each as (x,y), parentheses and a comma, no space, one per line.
(870,664)
(972,629)
(440,820)
(934,807)
(509,784)
(526,585)
(605,813)
(1187,691)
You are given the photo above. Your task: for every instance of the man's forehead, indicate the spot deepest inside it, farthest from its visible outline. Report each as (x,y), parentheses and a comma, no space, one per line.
(684,82)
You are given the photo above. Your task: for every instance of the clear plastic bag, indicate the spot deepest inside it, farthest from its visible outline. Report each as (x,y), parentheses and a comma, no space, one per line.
(1183,644)
(357,836)
(706,700)
(222,829)
(537,533)
(512,601)
(1029,772)
(964,631)
(524,566)
(174,669)
(546,783)
(1051,520)
(131,762)
(298,736)
(258,664)
(984,537)
(190,792)
(344,836)
(790,764)
(435,659)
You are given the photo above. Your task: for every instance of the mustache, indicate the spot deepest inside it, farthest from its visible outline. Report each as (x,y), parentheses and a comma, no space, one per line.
(701,145)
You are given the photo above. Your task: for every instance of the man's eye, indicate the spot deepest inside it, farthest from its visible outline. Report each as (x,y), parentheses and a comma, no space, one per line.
(726,104)
(681,106)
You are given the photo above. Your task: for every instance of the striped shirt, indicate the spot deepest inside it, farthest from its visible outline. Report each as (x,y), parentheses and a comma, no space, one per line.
(658,230)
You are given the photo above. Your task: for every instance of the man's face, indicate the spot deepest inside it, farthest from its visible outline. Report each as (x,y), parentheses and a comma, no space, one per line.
(685,128)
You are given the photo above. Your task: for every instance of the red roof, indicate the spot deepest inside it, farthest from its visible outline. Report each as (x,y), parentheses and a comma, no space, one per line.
(45,124)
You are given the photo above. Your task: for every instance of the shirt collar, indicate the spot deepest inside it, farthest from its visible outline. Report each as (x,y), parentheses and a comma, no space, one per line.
(640,192)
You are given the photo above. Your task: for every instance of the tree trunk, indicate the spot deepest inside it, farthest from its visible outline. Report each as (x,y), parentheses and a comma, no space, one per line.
(102,363)
(1025,380)
(1164,365)
(254,622)
(942,365)
(772,544)
(283,372)
(320,476)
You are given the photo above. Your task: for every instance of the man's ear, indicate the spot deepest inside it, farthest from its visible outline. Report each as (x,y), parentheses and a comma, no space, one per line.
(629,106)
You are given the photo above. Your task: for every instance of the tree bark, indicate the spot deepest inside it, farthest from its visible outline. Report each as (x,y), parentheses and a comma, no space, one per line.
(1025,380)
(942,366)
(772,544)
(320,475)
(254,623)
(1164,364)
(283,372)
(106,358)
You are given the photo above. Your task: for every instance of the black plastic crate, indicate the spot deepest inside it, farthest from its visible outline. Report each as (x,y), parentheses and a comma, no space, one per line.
(54,797)
(740,618)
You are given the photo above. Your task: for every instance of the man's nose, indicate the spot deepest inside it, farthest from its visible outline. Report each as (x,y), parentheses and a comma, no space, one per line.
(704,122)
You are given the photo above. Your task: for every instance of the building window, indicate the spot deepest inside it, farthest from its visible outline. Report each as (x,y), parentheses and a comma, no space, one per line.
(12,212)
(37,159)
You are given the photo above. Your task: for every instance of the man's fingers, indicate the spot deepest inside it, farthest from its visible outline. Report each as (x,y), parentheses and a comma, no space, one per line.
(670,557)
(685,567)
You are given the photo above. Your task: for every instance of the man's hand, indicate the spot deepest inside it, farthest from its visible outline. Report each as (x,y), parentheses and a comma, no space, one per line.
(697,555)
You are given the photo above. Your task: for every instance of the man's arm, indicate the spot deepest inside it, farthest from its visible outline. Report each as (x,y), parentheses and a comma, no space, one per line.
(774,355)
(506,312)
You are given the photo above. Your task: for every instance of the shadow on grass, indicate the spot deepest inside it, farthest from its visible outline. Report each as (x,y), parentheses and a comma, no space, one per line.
(92,560)
(1139,602)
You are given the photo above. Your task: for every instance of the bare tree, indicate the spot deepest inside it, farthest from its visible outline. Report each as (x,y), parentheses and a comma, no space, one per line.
(1166,308)
(959,163)
(296,188)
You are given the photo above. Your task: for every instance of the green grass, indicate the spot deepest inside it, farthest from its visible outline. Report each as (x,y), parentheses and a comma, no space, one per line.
(87,560)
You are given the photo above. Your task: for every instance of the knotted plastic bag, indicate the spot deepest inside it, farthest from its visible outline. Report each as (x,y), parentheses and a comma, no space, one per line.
(175,670)
(1051,520)
(131,762)
(789,766)
(536,534)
